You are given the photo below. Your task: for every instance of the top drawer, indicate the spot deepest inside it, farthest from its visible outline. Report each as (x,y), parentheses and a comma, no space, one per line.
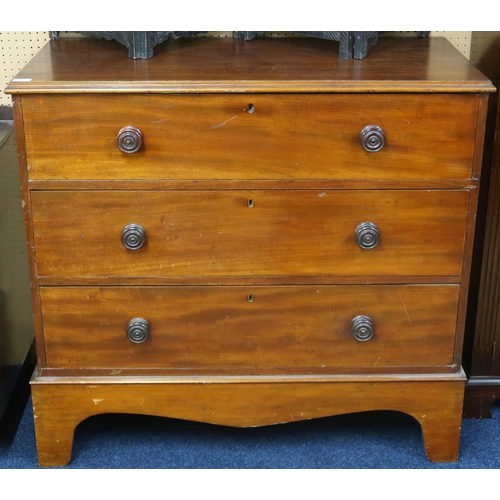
(258,136)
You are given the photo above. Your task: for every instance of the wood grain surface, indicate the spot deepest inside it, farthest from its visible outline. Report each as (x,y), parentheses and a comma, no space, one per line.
(431,65)
(283,328)
(301,233)
(215,137)
(60,406)
(237,204)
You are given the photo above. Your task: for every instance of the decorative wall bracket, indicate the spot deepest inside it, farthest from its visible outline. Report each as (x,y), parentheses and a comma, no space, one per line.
(140,44)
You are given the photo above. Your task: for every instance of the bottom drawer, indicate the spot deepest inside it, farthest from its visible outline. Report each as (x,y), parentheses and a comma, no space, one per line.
(249,328)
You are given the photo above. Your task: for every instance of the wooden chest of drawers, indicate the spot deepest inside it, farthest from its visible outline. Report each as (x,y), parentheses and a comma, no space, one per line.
(249,234)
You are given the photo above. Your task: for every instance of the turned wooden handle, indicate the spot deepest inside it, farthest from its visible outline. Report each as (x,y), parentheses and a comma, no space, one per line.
(138,330)
(367,235)
(129,140)
(133,237)
(362,328)
(372,138)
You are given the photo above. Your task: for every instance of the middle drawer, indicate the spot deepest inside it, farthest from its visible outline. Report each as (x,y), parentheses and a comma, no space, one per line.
(90,234)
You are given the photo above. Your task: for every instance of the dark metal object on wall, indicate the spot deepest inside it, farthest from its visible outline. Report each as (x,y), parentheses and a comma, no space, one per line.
(353,44)
(140,44)
(345,38)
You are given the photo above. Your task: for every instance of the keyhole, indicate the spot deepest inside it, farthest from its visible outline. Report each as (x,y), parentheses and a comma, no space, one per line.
(251,108)
(250,203)
(250,297)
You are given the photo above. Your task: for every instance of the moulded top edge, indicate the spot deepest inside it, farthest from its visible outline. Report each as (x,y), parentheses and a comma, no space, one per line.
(222,87)
(203,65)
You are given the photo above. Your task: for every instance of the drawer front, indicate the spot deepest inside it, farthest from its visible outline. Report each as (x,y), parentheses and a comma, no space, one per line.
(219,327)
(195,137)
(243,233)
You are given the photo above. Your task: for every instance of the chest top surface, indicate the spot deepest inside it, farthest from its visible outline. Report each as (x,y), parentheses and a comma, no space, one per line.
(429,65)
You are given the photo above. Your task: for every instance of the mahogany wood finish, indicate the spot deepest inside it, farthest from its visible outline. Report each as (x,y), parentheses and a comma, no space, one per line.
(215,273)
(284,233)
(246,402)
(252,328)
(209,65)
(216,137)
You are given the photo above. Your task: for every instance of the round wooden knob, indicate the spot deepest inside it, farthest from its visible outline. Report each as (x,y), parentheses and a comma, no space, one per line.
(129,140)
(133,237)
(367,235)
(138,330)
(362,328)
(372,138)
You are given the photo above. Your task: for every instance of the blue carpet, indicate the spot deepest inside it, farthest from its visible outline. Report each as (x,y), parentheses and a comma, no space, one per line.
(375,440)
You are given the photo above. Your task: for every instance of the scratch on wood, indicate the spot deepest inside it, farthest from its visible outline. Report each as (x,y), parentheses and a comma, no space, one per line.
(97,401)
(219,125)
(404,306)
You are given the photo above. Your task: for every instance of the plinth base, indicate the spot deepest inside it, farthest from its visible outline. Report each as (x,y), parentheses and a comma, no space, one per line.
(60,404)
